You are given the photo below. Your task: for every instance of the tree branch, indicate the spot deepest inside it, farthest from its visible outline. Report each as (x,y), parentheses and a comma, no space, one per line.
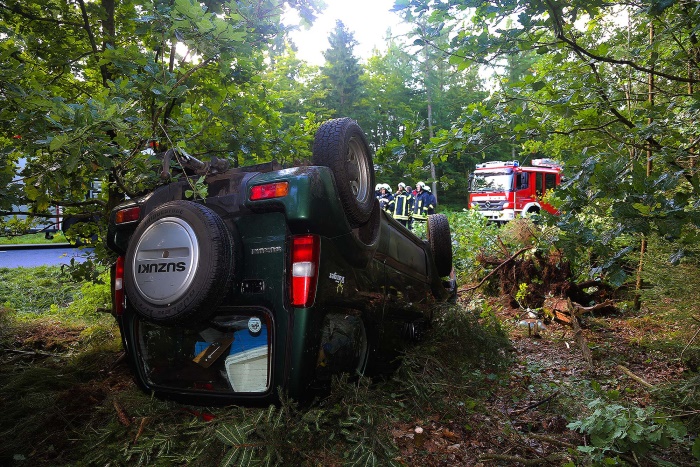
(515,255)
(25,14)
(577,48)
(536,404)
(629,373)
(91,37)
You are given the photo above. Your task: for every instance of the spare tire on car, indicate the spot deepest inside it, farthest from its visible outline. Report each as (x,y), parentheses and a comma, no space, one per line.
(440,241)
(180,263)
(340,144)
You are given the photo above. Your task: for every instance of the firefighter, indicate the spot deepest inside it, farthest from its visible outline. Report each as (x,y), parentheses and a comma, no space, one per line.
(403,202)
(424,203)
(377,190)
(386,199)
(431,201)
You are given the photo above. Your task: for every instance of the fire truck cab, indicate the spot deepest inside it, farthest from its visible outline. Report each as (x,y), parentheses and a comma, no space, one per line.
(504,190)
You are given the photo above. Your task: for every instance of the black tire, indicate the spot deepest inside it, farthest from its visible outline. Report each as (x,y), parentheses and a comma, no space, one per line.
(440,241)
(340,144)
(179,264)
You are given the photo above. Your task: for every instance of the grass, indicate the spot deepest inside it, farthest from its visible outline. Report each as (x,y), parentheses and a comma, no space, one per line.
(33,239)
(36,290)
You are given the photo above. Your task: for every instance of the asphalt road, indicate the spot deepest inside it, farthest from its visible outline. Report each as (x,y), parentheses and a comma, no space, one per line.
(31,256)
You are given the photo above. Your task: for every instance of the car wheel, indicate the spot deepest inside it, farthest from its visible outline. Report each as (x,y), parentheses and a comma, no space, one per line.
(179,264)
(440,241)
(340,144)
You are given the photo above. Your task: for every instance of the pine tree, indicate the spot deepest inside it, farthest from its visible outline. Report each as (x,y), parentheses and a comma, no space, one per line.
(341,73)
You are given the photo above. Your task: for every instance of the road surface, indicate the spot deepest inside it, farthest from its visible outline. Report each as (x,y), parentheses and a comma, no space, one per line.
(32,256)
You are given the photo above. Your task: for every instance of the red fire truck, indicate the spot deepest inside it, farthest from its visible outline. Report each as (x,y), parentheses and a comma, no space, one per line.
(503,190)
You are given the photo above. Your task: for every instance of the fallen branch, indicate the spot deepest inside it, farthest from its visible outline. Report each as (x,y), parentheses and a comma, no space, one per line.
(563,308)
(525,461)
(550,440)
(587,309)
(641,381)
(36,352)
(144,420)
(121,414)
(536,404)
(118,360)
(692,339)
(515,255)
(581,340)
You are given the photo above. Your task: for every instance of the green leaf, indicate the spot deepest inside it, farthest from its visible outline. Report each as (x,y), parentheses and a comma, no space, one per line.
(696,448)
(538,85)
(58,142)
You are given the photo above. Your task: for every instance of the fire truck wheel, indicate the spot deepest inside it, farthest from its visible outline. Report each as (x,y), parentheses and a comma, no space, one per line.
(180,264)
(440,242)
(340,144)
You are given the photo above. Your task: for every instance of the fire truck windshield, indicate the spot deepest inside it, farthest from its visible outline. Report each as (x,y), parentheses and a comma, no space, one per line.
(492,181)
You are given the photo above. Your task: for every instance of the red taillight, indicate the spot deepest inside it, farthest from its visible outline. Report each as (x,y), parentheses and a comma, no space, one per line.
(127,215)
(269,191)
(305,254)
(119,286)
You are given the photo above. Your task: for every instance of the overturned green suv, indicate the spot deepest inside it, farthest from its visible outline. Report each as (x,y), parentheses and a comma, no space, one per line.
(276,281)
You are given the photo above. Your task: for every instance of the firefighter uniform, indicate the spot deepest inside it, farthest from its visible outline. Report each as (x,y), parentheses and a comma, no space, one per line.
(386,199)
(403,204)
(424,203)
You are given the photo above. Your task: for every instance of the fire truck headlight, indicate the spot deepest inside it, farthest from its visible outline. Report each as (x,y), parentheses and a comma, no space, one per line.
(506,205)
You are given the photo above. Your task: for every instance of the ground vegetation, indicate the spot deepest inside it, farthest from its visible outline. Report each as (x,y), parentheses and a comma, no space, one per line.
(480,389)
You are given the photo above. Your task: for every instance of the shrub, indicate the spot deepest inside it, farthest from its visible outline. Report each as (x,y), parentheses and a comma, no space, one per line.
(617,429)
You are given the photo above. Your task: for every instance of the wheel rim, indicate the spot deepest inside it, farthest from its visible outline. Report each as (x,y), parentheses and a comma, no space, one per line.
(358,172)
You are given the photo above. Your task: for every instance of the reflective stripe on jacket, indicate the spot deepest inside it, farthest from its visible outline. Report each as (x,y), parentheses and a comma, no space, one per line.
(424,205)
(402,206)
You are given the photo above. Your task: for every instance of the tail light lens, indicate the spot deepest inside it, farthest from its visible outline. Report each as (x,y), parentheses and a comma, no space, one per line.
(305,255)
(124,216)
(269,191)
(119,287)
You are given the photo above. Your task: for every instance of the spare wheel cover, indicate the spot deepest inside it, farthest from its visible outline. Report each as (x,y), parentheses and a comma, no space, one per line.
(169,246)
(180,264)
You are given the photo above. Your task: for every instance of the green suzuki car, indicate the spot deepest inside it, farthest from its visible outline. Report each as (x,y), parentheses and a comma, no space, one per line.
(276,281)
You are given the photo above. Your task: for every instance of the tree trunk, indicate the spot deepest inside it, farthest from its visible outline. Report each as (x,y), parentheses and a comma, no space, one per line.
(429,97)
(650,166)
